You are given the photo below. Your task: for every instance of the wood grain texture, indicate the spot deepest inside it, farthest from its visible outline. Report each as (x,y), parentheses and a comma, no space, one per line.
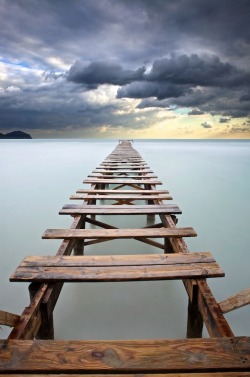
(121,196)
(123,176)
(184,355)
(122,170)
(74,209)
(152,374)
(8,319)
(236,301)
(117,268)
(114,181)
(118,233)
(117,260)
(123,192)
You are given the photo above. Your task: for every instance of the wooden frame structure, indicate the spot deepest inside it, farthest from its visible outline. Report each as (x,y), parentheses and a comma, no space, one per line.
(121,179)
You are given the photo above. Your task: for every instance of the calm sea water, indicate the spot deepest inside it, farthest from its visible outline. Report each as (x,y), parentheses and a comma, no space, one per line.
(209,180)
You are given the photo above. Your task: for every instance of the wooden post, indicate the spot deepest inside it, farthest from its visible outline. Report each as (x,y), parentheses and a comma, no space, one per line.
(79,244)
(167,246)
(150,217)
(46,330)
(194,321)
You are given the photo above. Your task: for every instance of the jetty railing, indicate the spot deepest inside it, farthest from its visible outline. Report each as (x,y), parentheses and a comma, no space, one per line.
(123,179)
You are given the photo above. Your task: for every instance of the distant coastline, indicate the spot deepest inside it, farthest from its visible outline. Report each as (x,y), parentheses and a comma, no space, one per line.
(15,135)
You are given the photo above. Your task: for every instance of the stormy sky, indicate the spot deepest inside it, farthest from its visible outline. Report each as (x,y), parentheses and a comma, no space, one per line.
(125,68)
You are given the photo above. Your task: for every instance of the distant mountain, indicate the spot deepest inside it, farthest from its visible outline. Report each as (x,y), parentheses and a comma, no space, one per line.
(15,135)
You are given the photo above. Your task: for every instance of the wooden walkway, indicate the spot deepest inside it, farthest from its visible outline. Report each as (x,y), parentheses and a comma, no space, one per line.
(128,184)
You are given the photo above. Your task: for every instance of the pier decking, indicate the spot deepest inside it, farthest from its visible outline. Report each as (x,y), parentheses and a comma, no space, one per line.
(126,182)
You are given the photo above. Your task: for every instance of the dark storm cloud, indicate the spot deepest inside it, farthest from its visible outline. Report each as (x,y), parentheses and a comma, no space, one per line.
(221,26)
(194,70)
(147,89)
(152,102)
(196,53)
(192,81)
(98,73)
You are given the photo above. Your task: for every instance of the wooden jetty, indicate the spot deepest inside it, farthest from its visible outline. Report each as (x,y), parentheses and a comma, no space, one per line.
(126,182)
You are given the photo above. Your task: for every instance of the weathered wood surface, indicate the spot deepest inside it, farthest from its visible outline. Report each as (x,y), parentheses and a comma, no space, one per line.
(169,356)
(123,162)
(114,181)
(118,233)
(122,192)
(115,169)
(121,268)
(117,260)
(121,196)
(8,319)
(236,301)
(122,176)
(123,171)
(152,374)
(75,209)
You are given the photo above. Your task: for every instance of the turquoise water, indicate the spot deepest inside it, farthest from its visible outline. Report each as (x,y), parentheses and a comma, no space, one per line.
(209,180)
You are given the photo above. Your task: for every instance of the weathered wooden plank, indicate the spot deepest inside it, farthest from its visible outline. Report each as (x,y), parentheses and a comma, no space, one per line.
(118,233)
(121,196)
(8,319)
(127,165)
(74,209)
(236,301)
(117,260)
(114,181)
(123,192)
(122,176)
(123,161)
(113,274)
(117,268)
(123,170)
(177,374)
(123,166)
(184,355)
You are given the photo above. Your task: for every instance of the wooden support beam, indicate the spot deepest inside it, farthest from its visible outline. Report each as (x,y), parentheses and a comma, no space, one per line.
(8,319)
(31,319)
(195,321)
(107,226)
(46,330)
(236,301)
